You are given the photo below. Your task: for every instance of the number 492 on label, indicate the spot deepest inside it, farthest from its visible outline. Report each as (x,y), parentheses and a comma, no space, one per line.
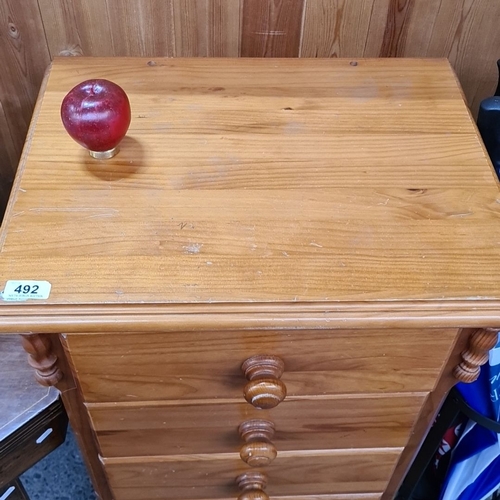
(16,290)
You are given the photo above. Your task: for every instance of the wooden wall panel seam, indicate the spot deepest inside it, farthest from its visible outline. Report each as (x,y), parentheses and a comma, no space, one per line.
(302,23)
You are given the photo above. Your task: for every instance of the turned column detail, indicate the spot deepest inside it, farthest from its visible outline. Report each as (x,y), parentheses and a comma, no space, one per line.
(476,354)
(42,358)
(252,484)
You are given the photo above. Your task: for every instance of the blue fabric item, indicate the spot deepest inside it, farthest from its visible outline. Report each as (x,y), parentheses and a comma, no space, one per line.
(485,484)
(494,374)
(474,472)
(475,441)
(484,394)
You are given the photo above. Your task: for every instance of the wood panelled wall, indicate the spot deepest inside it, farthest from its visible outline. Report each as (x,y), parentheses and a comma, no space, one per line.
(32,32)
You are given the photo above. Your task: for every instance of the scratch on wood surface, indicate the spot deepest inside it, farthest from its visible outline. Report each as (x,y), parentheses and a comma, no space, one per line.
(112,214)
(270,33)
(313,244)
(76,209)
(464,214)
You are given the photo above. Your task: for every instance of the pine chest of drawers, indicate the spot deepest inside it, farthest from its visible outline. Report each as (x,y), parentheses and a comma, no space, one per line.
(272,286)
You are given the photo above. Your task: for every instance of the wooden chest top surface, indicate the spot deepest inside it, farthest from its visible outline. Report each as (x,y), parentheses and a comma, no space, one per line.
(260,181)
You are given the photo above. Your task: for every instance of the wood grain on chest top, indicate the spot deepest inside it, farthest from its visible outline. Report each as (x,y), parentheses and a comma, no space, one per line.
(258,181)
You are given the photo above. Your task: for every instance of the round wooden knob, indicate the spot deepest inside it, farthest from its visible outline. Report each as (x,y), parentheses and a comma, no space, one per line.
(265,394)
(258,454)
(252,485)
(253,495)
(258,451)
(264,390)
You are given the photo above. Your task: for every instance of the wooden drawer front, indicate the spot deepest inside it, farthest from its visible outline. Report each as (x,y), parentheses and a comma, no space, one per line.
(213,476)
(206,365)
(213,428)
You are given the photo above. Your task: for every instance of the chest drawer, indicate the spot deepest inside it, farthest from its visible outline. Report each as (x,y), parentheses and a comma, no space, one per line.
(207,365)
(316,424)
(214,476)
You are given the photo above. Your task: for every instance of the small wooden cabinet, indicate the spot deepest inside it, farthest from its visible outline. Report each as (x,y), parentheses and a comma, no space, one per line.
(272,286)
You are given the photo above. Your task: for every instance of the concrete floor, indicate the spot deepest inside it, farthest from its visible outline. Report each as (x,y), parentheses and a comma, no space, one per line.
(60,475)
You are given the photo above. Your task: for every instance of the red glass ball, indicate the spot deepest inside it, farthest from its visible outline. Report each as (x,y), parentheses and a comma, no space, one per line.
(96,114)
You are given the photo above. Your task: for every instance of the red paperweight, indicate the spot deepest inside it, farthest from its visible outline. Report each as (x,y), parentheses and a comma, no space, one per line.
(96,114)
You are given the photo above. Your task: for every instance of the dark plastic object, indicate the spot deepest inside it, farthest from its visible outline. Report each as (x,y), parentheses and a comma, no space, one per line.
(488,123)
(497,91)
